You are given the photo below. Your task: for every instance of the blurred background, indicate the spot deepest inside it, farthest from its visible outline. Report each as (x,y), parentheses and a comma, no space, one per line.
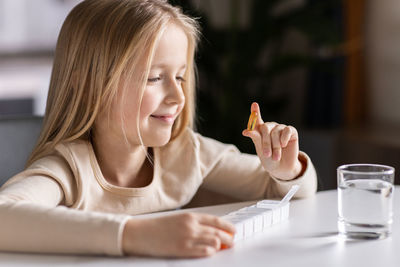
(330,68)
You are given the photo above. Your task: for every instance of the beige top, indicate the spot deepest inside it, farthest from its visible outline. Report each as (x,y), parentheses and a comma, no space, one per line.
(63,204)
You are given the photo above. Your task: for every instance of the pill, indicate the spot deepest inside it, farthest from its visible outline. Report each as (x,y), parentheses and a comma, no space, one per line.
(252,121)
(224,246)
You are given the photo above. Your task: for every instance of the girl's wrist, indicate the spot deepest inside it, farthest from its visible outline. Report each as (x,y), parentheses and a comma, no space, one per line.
(300,167)
(130,236)
(297,171)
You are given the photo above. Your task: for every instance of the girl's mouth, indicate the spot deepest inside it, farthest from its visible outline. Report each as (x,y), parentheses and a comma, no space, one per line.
(169,119)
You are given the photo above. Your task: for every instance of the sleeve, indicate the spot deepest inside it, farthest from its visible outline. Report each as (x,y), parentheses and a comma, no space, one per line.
(35,217)
(228,171)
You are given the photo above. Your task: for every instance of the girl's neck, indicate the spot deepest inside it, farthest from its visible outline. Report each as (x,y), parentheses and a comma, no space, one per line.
(122,165)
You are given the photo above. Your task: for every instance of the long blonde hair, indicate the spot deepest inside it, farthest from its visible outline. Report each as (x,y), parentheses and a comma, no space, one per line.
(99,42)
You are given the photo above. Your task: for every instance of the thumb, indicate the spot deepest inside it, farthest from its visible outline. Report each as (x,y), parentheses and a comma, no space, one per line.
(254,135)
(256,138)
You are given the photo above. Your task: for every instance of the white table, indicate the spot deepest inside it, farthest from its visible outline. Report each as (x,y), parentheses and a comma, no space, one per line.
(308,238)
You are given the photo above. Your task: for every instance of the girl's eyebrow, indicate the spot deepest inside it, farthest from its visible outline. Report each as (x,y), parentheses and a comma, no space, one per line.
(163,66)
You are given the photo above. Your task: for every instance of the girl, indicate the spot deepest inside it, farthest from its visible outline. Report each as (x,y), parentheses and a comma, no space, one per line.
(117,140)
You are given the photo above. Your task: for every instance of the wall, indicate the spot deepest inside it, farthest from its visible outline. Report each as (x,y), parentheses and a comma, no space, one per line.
(23,29)
(383,56)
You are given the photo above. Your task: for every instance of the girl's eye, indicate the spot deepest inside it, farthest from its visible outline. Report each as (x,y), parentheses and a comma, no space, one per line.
(181,79)
(152,80)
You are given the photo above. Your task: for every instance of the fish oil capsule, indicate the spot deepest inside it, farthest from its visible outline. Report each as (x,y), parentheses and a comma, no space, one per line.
(252,121)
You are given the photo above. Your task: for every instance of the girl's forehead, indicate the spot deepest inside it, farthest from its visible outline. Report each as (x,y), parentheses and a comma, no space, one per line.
(172,48)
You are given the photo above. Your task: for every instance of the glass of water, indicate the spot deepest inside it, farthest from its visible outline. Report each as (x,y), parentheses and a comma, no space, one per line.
(365,200)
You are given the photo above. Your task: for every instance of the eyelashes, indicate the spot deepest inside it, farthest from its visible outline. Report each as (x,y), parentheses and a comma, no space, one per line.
(157,79)
(180,78)
(153,80)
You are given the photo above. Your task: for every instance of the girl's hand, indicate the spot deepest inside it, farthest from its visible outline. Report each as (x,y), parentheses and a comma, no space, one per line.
(181,235)
(277,147)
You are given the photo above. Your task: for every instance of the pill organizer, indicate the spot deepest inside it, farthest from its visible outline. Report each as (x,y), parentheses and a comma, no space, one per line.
(259,217)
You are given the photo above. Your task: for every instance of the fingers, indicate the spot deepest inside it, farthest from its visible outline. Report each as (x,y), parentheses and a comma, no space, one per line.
(204,251)
(289,134)
(266,142)
(256,138)
(276,141)
(256,108)
(222,236)
(210,240)
(271,138)
(285,136)
(217,222)
(215,238)
(215,227)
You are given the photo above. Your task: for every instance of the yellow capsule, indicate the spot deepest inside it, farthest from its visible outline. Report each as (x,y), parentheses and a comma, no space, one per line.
(252,121)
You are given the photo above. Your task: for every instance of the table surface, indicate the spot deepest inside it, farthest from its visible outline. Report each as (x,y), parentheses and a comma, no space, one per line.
(308,238)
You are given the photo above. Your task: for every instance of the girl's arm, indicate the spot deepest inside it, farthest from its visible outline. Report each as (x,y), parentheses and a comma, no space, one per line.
(32,221)
(181,235)
(228,171)
(242,176)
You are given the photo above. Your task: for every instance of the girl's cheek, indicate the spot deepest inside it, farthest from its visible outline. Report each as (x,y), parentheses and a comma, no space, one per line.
(146,106)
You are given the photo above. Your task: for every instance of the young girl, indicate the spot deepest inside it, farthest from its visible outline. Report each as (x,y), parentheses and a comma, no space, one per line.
(117,141)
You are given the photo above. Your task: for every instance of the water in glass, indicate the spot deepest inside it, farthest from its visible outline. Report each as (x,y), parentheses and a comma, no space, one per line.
(365,208)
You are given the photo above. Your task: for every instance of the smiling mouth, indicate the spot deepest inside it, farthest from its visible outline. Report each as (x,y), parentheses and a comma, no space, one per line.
(169,119)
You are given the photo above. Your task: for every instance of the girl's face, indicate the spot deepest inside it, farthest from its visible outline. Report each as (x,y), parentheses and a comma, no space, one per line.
(163,98)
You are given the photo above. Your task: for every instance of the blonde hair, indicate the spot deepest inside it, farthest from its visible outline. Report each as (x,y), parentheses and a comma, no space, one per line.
(100,42)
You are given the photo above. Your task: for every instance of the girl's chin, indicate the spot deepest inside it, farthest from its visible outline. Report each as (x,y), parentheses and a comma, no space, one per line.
(157,141)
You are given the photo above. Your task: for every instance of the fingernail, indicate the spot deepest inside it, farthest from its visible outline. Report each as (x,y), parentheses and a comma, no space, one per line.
(266,152)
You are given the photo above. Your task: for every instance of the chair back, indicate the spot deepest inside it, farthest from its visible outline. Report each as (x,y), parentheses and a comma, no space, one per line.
(18,135)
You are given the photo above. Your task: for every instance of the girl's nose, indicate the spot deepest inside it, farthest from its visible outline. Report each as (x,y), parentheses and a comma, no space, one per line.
(175,93)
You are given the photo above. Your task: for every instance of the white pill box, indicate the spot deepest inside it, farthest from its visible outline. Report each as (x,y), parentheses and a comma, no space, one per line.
(257,218)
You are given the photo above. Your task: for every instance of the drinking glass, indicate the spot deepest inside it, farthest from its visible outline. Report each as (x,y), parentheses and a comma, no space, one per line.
(365,200)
